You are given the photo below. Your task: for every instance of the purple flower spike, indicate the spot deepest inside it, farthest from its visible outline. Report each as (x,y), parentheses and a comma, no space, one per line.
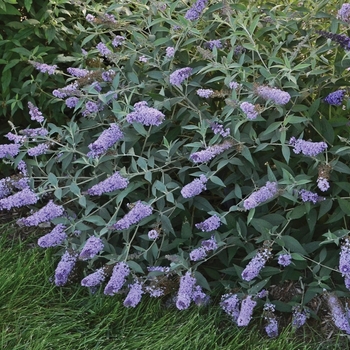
(44,68)
(284,259)
(170,52)
(54,238)
(38,150)
(307,148)
(196,10)
(92,247)
(344,13)
(198,254)
(145,115)
(112,183)
(335,98)
(338,314)
(135,215)
(210,152)
(209,224)
(278,96)
(153,234)
(48,212)
(120,271)
(262,195)
(299,317)
(64,268)
(308,196)
(19,199)
(106,140)
(255,265)
(249,110)
(205,93)
(134,295)
(323,184)
(184,295)
(103,49)
(10,150)
(94,279)
(246,311)
(344,260)
(230,304)
(179,76)
(195,187)
(35,113)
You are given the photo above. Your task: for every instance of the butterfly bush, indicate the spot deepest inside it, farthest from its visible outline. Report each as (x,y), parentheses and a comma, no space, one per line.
(176,161)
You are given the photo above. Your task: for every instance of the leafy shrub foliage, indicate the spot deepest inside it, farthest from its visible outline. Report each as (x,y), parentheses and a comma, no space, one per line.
(207,153)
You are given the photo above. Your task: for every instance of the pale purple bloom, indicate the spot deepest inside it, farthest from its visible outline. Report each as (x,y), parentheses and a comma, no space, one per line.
(276,95)
(90,18)
(344,260)
(255,265)
(323,184)
(91,248)
(344,13)
(118,40)
(213,43)
(262,195)
(145,115)
(196,10)
(48,212)
(135,215)
(210,152)
(108,75)
(239,49)
(347,281)
(153,234)
(195,187)
(219,129)
(106,17)
(71,102)
(198,254)
(163,269)
(299,317)
(103,49)
(210,244)
(209,224)
(154,292)
(307,148)
(78,72)
(234,85)
(44,68)
(112,183)
(120,271)
(64,268)
(249,110)
(263,293)
(205,93)
(4,187)
(15,138)
(106,140)
(143,58)
(53,238)
(230,304)
(184,295)
(94,279)
(34,132)
(10,150)
(335,98)
(35,113)
(38,150)
(170,52)
(134,295)
(308,196)
(199,297)
(69,90)
(284,259)
(339,316)
(91,107)
(272,327)
(246,311)
(19,199)
(179,76)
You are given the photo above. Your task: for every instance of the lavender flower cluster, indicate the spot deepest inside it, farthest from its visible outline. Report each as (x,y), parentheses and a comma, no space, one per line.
(255,265)
(341,39)
(112,183)
(53,238)
(213,43)
(205,93)
(35,113)
(188,291)
(209,224)
(299,317)
(339,316)
(179,76)
(65,267)
(44,68)
(249,110)
(308,196)
(278,96)
(344,261)
(219,129)
(94,279)
(323,184)
(91,248)
(106,140)
(307,148)
(145,115)
(335,98)
(134,295)
(120,271)
(210,152)
(19,199)
(344,13)
(284,259)
(195,187)
(206,246)
(262,195)
(196,10)
(135,215)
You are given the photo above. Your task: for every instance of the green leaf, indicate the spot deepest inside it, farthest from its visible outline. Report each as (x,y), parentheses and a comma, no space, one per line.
(135,266)
(344,205)
(292,244)
(28,4)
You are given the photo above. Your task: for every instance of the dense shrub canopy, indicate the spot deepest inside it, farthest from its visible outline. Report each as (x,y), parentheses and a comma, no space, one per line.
(207,149)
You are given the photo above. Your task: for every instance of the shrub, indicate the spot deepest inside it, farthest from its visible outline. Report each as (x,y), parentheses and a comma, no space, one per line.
(206,154)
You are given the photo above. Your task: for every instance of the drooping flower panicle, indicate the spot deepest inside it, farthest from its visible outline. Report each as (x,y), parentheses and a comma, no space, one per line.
(112,183)
(246,311)
(196,10)
(179,76)
(195,187)
(65,267)
(120,271)
(92,247)
(278,96)
(145,115)
(262,195)
(184,295)
(53,238)
(134,295)
(210,152)
(255,265)
(249,110)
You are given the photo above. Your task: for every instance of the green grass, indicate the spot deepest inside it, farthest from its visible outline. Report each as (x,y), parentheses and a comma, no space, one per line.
(36,315)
